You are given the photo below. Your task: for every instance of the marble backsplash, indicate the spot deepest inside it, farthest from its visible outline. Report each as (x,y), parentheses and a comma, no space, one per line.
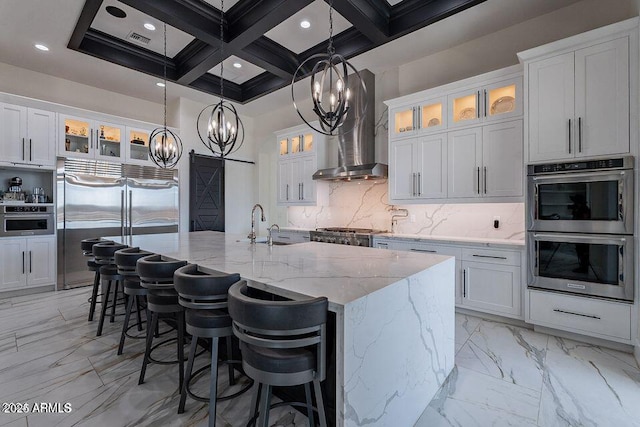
(364,204)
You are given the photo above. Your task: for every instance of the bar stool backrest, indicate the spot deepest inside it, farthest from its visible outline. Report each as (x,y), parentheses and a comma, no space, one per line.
(156,271)
(87,245)
(126,260)
(280,324)
(203,290)
(104,251)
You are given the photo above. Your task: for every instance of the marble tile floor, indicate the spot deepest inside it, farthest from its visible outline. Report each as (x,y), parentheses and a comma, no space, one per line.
(504,376)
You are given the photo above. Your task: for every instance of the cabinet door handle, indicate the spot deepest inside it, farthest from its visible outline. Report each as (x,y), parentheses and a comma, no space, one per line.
(302,185)
(464,283)
(419,185)
(485,103)
(23,267)
(591,316)
(30,261)
(579,134)
(287,191)
(478,105)
(485,180)
(423,250)
(22,148)
(415,117)
(30,151)
(419,117)
(489,256)
(301,143)
(569,136)
(478,179)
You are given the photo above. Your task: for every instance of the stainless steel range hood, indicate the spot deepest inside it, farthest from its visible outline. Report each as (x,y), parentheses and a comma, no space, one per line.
(356,148)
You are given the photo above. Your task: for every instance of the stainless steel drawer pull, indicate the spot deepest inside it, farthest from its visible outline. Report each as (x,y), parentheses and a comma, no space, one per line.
(489,256)
(30,262)
(569,136)
(464,283)
(557,310)
(424,250)
(22,262)
(284,237)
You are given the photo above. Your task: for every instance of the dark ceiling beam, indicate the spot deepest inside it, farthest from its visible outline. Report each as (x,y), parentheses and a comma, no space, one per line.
(193,18)
(262,85)
(211,84)
(112,49)
(248,20)
(370,17)
(88,14)
(411,15)
(271,56)
(196,59)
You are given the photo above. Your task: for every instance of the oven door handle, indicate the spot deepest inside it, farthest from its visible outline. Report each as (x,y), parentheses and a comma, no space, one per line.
(564,238)
(572,176)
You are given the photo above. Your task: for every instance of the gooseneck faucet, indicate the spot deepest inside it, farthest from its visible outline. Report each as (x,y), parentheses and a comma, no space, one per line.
(395,216)
(270,237)
(252,235)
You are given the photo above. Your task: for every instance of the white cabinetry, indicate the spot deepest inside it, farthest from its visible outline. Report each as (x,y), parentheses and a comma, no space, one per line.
(486,161)
(27,135)
(419,170)
(27,262)
(91,139)
(580,94)
(301,154)
(423,117)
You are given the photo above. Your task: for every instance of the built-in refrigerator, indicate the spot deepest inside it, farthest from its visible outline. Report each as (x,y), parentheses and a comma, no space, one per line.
(98,199)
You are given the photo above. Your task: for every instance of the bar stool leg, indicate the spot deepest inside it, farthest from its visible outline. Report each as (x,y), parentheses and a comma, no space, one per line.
(255,401)
(94,295)
(115,302)
(232,377)
(213,384)
(307,394)
(138,315)
(103,311)
(180,348)
(320,403)
(125,326)
(187,377)
(147,351)
(263,418)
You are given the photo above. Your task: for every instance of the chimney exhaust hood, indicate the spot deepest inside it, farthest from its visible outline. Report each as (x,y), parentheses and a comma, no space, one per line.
(356,148)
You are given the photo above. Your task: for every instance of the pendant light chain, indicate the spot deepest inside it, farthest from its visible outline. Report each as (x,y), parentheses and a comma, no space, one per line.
(164,74)
(222,50)
(331,49)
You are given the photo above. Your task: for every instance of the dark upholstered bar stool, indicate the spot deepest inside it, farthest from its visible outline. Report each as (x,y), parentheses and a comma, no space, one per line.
(283,343)
(126,260)
(204,296)
(104,255)
(87,250)
(156,275)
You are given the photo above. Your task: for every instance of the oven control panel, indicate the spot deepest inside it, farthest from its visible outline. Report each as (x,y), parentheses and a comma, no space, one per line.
(618,163)
(27,209)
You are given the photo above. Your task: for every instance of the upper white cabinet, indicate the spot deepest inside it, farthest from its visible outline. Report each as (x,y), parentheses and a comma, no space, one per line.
(27,135)
(423,117)
(91,139)
(494,101)
(301,152)
(424,173)
(580,94)
(486,161)
(137,143)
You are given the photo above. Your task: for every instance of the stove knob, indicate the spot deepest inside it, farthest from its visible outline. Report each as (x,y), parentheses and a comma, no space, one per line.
(356,242)
(331,240)
(347,241)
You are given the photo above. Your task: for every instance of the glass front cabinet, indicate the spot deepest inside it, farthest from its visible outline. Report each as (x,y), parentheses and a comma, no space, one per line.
(91,139)
(425,117)
(496,101)
(138,146)
(296,144)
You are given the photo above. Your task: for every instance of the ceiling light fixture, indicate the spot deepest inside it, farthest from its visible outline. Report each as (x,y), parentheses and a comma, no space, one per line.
(331,88)
(165,147)
(149,26)
(116,11)
(41,47)
(237,65)
(305,24)
(161,84)
(224,125)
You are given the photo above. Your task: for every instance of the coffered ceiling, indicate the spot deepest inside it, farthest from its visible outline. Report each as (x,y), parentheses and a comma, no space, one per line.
(263,39)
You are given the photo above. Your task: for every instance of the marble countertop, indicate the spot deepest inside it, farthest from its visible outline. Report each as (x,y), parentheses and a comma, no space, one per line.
(484,241)
(341,273)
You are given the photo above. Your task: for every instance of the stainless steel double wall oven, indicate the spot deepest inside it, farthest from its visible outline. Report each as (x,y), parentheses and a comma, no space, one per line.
(580,227)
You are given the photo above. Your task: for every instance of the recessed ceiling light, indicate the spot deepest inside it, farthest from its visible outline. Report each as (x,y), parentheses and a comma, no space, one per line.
(237,65)
(41,47)
(149,26)
(116,11)
(160,84)
(305,24)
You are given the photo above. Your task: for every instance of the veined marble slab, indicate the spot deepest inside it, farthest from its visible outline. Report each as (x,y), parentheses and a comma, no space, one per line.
(394,313)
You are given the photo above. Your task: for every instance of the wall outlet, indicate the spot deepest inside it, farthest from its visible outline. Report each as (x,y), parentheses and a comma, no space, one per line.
(412,218)
(496,222)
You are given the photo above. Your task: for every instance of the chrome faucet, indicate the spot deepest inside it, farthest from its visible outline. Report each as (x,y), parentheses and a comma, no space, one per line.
(269,236)
(252,235)
(395,217)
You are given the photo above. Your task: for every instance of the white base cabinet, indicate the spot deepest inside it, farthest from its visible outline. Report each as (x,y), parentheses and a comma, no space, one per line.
(27,262)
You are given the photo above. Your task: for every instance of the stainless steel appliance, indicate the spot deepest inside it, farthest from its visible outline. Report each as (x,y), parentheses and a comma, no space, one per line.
(26,220)
(580,227)
(588,264)
(97,199)
(344,236)
(591,196)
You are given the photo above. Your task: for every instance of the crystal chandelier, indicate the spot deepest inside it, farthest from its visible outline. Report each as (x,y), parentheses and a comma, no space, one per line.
(330,88)
(225,131)
(165,147)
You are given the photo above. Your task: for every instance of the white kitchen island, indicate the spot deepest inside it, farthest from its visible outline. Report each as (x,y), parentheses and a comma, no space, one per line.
(394,313)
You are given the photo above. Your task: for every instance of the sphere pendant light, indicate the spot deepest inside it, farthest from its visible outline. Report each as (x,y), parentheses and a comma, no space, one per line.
(165,146)
(224,129)
(331,85)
